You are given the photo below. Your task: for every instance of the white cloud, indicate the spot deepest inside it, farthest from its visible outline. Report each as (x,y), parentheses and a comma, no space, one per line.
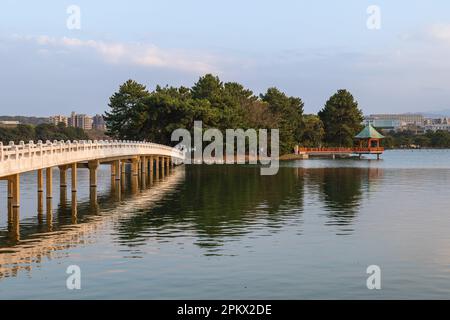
(440,32)
(139,54)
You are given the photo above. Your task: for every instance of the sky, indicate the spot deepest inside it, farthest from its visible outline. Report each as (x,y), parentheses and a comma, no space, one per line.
(51,62)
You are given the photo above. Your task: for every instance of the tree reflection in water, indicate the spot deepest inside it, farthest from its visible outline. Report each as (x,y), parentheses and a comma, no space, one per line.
(208,205)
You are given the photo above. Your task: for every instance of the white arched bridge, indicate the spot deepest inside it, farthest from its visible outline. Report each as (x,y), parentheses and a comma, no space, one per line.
(145,159)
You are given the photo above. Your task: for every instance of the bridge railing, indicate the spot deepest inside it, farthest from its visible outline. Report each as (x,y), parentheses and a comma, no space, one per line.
(18,151)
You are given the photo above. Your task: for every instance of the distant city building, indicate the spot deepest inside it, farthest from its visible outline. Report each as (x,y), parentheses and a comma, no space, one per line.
(437,127)
(80,121)
(384,125)
(9,124)
(72,121)
(406,118)
(398,122)
(59,119)
(83,121)
(98,123)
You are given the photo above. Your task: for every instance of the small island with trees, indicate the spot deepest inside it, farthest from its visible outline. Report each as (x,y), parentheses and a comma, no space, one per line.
(135,113)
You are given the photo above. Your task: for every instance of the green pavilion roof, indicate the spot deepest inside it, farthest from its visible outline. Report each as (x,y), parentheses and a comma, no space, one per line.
(369,132)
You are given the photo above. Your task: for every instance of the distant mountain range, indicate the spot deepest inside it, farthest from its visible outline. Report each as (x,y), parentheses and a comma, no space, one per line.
(25,120)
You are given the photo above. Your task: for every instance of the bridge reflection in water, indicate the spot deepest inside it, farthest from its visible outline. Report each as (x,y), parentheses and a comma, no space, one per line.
(22,247)
(210,205)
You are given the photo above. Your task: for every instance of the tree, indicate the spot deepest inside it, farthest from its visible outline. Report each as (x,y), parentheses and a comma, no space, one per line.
(289,113)
(440,139)
(137,114)
(314,132)
(228,99)
(341,118)
(44,131)
(167,109)
(125,119)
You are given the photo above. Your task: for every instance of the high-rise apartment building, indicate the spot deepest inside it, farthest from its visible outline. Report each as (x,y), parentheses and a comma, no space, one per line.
(83,121)
(59,119)
(98,123)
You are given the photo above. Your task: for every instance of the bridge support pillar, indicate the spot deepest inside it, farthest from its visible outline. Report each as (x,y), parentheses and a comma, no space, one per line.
(14,190)
(10,189)
(63,176)
(157,167)
(162,166)
(74,177)
(113,170)
(168,164)
(40,205)
(150,162)
(14,206)
(144,165)
(116,166)
(123,167)
(135,166)
(49,214)
(40,181)
(49,182)
(93,165)
(74,208)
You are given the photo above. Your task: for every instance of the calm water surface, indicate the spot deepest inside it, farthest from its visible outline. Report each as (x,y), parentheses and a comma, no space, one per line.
(227,232)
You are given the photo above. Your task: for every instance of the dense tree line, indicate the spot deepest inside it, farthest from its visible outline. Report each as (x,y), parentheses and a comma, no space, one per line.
(408,139)
(138,114)
(45,131)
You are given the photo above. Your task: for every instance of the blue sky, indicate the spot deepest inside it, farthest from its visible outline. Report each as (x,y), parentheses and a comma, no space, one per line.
(306,48)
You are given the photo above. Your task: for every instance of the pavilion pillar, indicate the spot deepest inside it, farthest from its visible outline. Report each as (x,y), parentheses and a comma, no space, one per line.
(49,182)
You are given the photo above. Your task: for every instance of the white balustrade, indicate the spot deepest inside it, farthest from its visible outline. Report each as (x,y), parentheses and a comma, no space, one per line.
(18,158)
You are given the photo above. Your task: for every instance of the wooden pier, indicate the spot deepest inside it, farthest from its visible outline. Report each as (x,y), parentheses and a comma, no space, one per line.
(305,153)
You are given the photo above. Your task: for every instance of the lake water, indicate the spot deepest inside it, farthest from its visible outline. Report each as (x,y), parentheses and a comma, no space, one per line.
(225,231)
